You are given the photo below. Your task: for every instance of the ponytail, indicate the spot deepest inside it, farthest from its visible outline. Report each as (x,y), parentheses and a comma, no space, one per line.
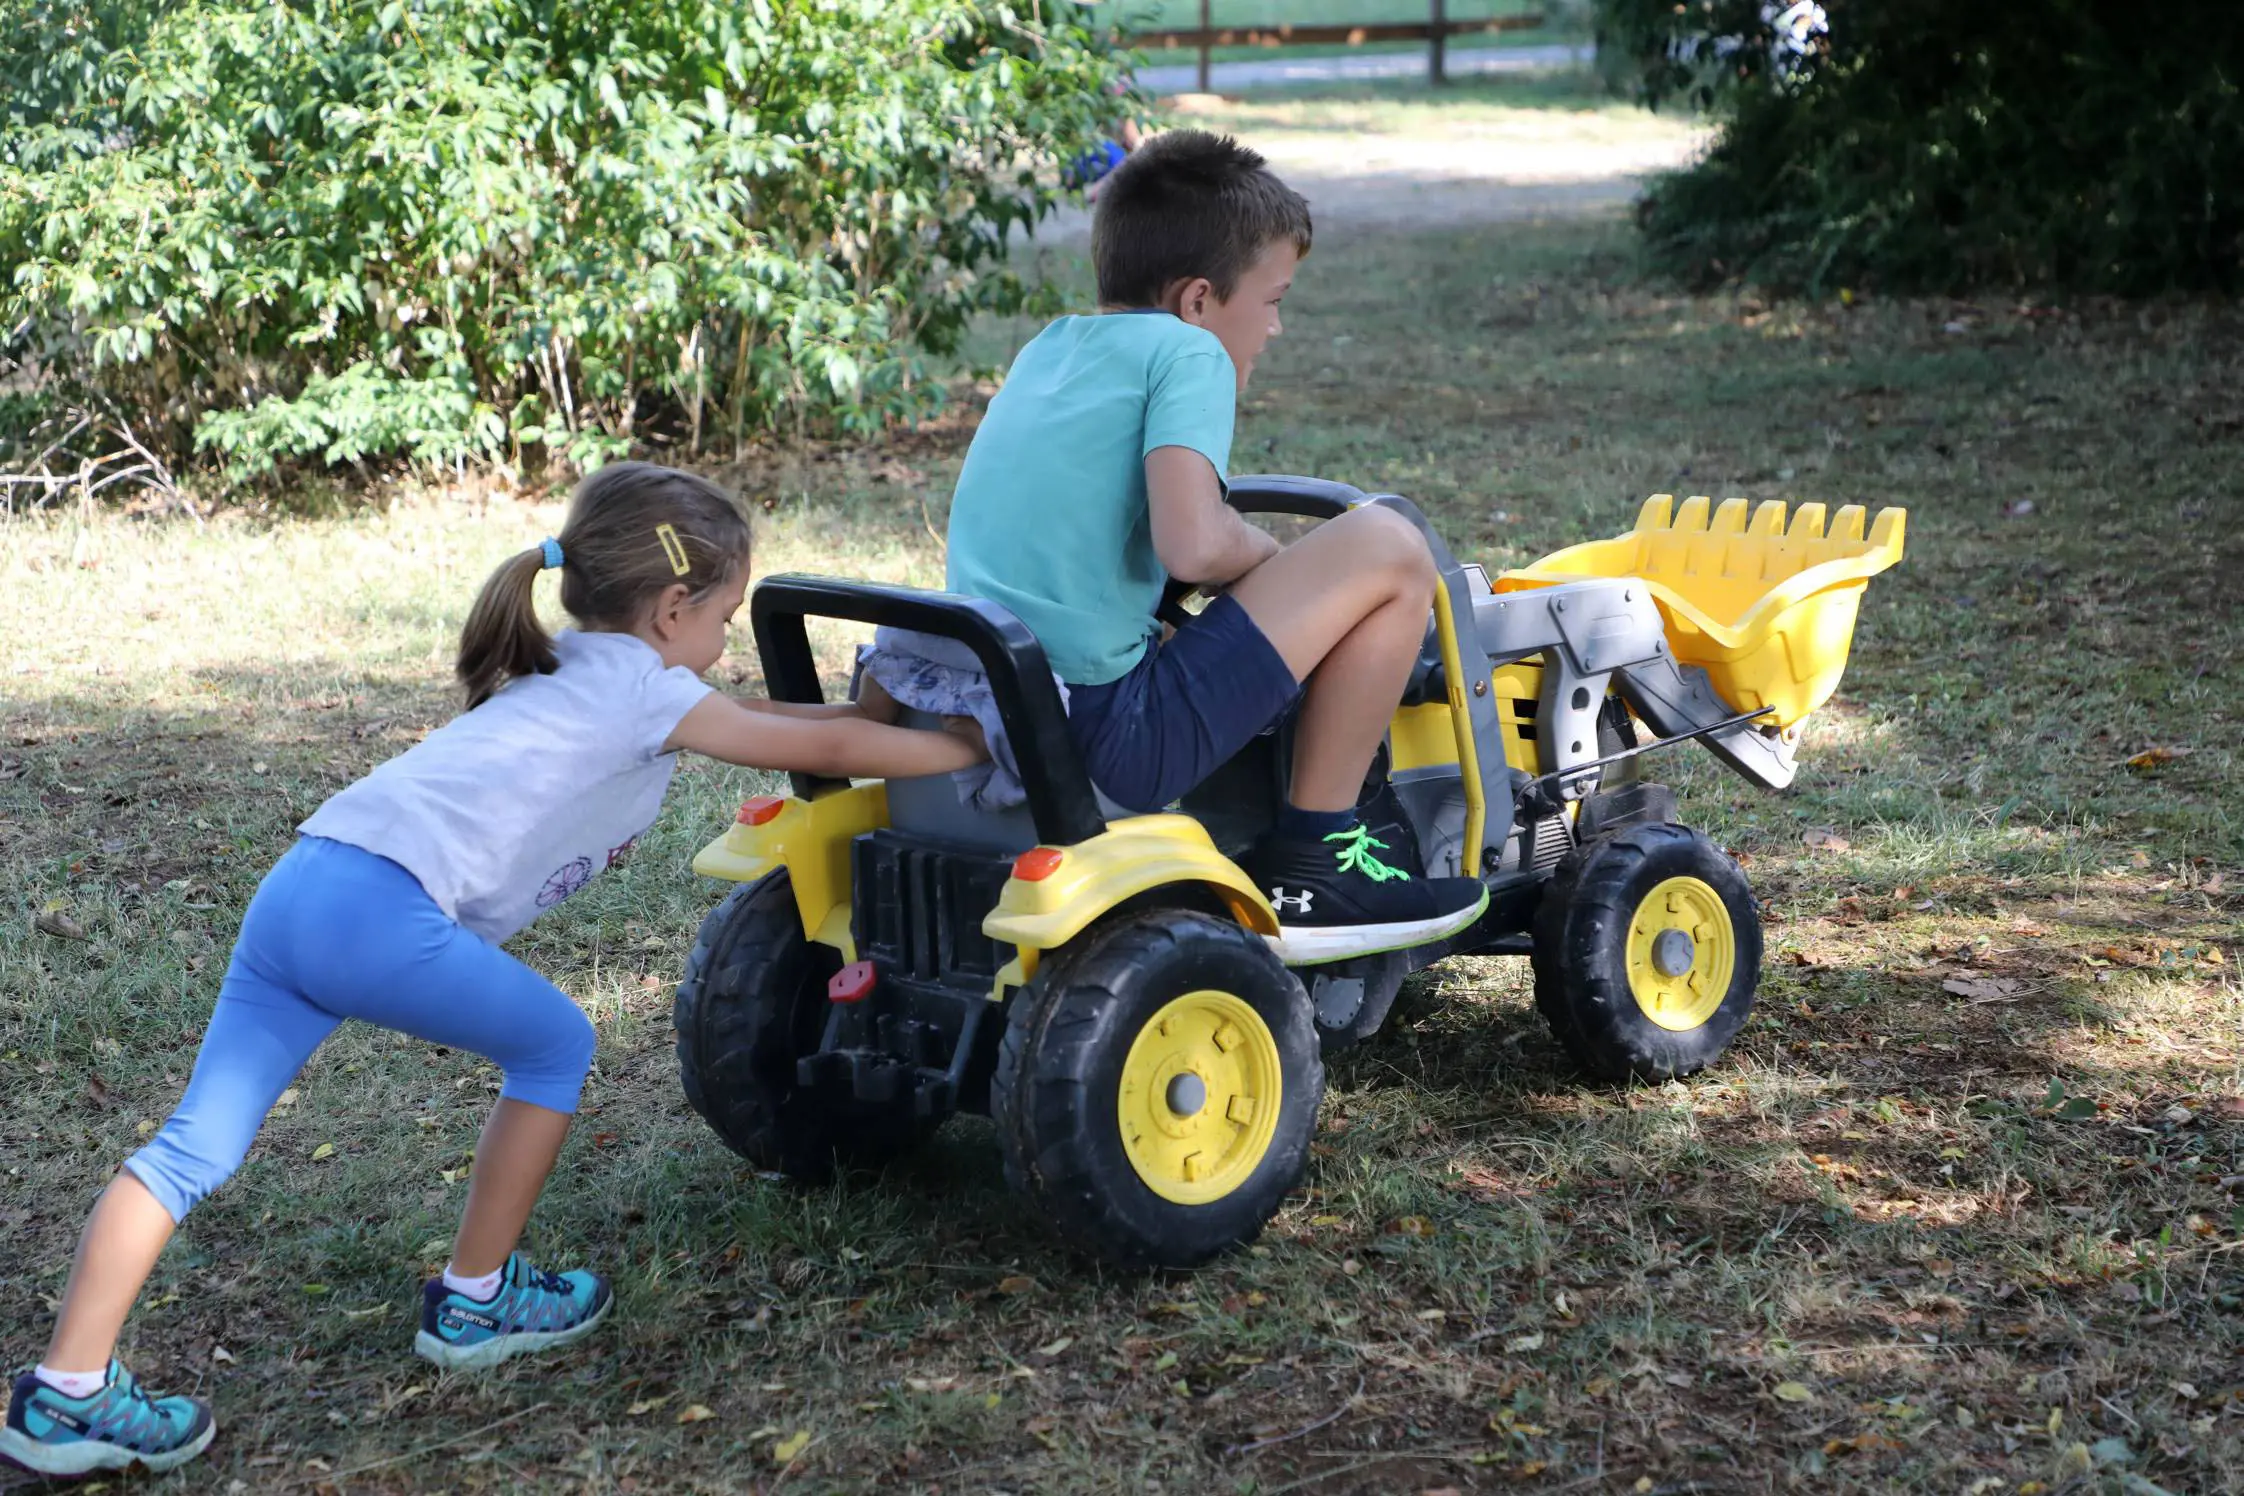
(503,638)
(633,531)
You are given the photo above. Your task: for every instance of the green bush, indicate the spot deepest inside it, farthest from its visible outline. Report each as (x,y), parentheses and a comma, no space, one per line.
(2073,143)
(334,230)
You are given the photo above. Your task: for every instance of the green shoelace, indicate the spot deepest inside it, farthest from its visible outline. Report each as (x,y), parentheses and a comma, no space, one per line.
(1354,856)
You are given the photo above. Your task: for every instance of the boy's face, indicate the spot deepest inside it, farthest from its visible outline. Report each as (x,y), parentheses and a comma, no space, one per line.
(1249,319)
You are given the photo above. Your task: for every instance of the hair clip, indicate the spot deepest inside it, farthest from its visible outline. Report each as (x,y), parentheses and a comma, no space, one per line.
(674,548)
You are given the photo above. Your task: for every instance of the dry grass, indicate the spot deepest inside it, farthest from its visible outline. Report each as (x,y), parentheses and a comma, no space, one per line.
(1959,1214)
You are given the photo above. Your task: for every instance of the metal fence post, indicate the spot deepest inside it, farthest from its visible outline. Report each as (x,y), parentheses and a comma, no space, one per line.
(1436,72)
(1207,24)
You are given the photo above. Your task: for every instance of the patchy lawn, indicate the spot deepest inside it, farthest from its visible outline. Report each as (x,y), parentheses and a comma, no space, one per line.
(1959,1214)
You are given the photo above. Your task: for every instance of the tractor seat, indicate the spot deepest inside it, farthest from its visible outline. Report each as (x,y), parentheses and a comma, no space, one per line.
(929,807)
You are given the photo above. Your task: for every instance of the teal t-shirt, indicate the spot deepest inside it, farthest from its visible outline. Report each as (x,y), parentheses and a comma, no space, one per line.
(1050,515)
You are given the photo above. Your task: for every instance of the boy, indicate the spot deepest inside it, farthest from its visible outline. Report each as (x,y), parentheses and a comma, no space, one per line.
(1098,474)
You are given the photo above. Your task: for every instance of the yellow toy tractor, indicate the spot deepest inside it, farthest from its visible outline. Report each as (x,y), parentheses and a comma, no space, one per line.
(1102,984)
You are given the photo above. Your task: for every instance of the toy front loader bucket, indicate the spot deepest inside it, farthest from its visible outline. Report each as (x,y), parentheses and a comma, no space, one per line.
(1767,609)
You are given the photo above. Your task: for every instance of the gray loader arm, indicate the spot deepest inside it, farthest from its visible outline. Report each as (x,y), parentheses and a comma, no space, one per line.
(1594,631)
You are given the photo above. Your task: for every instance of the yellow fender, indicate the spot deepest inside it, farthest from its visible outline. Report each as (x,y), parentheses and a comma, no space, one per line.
(1079,884)
(809,838)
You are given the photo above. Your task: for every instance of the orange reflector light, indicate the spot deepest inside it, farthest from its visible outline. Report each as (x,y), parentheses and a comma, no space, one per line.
(1037,864)
(761,809)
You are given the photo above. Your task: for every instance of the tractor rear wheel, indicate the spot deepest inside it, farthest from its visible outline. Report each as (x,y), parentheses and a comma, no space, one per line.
(1158,1088)
(752,1004)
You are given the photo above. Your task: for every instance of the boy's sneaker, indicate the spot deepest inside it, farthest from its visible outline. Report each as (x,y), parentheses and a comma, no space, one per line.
(533,1310)
(53,1433)
(1335,899)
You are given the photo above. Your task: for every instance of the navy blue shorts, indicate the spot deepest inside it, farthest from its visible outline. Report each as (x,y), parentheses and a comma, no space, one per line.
(1183,710)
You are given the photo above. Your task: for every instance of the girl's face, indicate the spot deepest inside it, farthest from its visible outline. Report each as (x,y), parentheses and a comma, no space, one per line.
(691,632)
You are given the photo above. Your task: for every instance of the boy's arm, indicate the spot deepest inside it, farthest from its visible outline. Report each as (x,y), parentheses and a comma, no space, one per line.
(1199,538)
(841,746)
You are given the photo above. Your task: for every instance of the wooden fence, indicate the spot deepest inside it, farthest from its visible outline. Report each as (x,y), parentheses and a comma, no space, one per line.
(1435,31)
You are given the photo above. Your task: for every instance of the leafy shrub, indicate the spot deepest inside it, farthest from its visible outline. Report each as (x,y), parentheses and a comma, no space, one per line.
(1926,144)
(280,230)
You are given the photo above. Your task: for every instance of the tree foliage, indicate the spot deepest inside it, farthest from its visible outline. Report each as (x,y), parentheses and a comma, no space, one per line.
(1923,143)
(279,230)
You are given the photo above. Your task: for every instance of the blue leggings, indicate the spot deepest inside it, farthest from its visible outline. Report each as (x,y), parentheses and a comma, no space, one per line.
(336,933)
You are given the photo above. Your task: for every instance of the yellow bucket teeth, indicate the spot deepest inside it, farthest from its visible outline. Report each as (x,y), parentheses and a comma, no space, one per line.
(1762,598)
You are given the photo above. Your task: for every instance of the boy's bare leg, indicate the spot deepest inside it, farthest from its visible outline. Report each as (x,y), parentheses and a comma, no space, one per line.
(1345,607)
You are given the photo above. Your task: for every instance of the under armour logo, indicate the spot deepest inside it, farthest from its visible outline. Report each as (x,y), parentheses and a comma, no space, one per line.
(1299,903)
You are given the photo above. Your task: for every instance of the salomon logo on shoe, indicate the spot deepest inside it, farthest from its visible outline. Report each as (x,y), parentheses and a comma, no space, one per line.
(1299,903)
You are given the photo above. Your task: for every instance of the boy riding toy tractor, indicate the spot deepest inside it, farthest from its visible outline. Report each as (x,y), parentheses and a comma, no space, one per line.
(1104,985)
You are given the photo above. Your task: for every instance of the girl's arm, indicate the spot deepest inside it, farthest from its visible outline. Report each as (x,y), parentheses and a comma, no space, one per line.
(873,704)
(840,747)
(825,711)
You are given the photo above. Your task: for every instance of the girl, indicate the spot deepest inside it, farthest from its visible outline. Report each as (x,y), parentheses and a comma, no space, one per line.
(391,906)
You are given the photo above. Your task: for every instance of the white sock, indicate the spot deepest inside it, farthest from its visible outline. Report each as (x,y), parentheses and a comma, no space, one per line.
(74,1383)
(482,1289)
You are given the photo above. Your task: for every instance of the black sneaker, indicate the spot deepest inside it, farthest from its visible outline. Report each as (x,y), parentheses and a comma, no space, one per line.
(1335,899)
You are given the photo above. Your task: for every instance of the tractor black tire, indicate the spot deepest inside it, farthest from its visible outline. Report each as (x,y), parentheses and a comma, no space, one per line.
(1058,1094)
(1599,907)
(752,1003)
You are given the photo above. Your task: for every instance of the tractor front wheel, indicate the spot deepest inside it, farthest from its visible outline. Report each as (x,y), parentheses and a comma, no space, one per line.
(1647,953)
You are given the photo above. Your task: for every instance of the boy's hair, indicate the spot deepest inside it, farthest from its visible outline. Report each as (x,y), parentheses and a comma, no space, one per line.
(634,530)
(1189,204)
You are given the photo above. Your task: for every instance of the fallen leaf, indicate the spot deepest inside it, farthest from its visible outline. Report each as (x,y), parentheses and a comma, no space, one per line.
(647,1405)
(1411,1226)
(1792,1392)
(1018,1283)
(324,1150)
(1056,1346)
(790,1449)
(1532,1342)
(698,1413)
(1827,840)
(220,1356)
(2110,1451)
(60,925)
(285,1098)
(2151,758)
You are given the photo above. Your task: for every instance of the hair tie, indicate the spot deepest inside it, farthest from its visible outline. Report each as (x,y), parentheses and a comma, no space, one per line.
(552,549)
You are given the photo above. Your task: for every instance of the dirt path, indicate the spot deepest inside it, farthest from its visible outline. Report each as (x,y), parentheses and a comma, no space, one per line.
(1172,77)
(1378,167)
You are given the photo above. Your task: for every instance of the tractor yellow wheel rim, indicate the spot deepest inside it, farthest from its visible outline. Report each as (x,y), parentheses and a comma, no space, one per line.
(1199,1097)
(1682,952)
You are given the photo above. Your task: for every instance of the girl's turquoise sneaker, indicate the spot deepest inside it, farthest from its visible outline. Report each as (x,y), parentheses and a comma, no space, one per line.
(120,1425)
(534,1310)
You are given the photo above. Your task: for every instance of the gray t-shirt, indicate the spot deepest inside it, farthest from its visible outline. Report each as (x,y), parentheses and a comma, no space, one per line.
(506,810)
